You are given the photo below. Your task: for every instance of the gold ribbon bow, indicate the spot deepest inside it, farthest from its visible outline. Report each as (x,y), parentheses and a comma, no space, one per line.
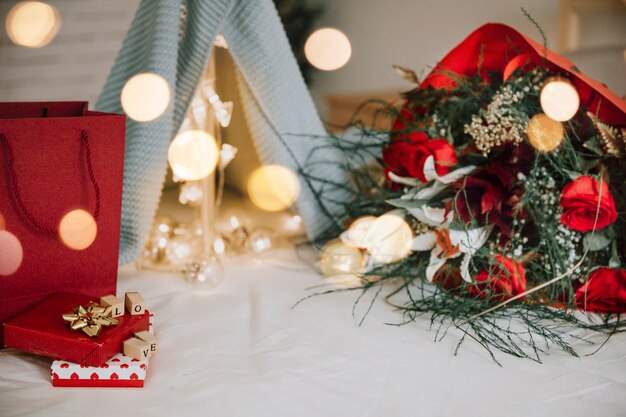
(89,319)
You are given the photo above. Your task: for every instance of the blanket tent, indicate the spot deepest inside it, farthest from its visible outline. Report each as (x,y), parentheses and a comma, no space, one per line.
(173,38)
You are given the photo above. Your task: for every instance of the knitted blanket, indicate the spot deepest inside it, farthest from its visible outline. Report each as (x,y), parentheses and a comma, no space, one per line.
(278,108)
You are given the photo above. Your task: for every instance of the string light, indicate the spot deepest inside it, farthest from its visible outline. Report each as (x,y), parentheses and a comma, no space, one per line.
(32,24)
(193,155)
(145,97)
(328,49)
(78,229)
(559,99)
(389,238)
(273,187)
(544,133)
(11,253)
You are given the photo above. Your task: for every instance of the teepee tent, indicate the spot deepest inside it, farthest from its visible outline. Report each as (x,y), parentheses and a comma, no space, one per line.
(173,38)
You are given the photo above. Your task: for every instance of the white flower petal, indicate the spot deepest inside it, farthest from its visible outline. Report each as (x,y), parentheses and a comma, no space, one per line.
(424,242)
(429,192)
(465,263)
(457,174)
(404,180)
(469,241)
(429,169)
(434,265)
(431,216)
(430,172)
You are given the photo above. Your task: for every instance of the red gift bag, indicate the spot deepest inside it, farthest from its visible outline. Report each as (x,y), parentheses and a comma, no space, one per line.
(60,202)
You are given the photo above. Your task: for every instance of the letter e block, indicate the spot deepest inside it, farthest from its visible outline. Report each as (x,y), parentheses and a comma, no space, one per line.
(135,304)
(150,339)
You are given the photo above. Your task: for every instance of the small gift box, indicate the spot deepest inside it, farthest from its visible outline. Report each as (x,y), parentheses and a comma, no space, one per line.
(119,371)
(42,330)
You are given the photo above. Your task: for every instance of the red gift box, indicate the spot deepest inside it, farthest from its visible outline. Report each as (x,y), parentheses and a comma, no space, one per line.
(52,156)
(118,372)
(42,330)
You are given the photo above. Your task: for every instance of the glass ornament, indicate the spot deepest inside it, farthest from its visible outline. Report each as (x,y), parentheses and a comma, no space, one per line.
(337,258)
(204,271)
(261,241)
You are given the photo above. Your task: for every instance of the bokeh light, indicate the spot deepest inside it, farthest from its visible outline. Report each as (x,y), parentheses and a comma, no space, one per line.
(337,258)
(193,155)
(559,99)
(545,133)
(32,24)
(78,229)
(357,232)
(328,49)
(389,238)
(3,224)
(273,187)
(145,97)
(261,241)
(11,253)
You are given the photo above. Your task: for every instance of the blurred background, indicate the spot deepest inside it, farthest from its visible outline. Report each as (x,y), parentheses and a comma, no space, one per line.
(74,63)
(64,49)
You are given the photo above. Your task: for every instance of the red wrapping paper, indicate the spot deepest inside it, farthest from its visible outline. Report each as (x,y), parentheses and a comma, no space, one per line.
(497,47)
(118,372)
(41,330)
(53,179)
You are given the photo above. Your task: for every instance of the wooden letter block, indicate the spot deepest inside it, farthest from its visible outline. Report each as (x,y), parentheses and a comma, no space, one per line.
(136,349)
(117,306)
(150,339)
(135,303)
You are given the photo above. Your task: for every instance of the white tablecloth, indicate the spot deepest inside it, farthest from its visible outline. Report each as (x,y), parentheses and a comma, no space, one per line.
(242,350)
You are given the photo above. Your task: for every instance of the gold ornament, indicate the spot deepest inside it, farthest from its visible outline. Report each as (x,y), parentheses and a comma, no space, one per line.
(544,133)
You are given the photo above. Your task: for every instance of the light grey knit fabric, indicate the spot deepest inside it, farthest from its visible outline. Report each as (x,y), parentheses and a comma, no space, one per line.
(278,107)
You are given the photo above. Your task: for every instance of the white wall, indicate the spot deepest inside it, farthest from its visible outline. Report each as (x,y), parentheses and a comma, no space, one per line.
(418,33)
(75,65)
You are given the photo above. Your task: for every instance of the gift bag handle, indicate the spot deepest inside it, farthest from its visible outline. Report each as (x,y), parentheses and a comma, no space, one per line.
(15,186)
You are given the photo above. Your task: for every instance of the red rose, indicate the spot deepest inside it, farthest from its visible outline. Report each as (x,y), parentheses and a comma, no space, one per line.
(406,157)
(604,292)
(501,281)
(584,200)
(492,194)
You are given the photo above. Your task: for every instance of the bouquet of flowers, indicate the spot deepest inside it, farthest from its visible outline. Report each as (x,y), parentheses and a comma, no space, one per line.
(501,206)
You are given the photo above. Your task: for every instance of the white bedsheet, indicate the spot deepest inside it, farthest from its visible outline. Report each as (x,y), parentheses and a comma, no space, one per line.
(243,351)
